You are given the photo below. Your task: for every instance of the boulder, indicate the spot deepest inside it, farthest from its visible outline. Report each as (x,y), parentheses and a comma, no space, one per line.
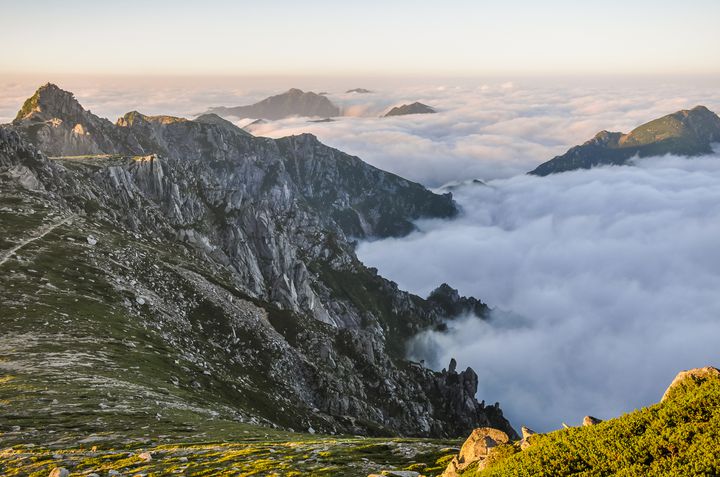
(59,472)
(475,449)
(526,433)
(697,373)
(146,456)
(591,421)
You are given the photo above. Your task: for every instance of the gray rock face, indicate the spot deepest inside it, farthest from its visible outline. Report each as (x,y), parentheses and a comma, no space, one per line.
(276,285)
(293,102)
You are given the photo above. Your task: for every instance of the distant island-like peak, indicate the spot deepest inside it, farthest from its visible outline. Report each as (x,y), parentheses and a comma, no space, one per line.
(413,108)
(689,132)
(293,102)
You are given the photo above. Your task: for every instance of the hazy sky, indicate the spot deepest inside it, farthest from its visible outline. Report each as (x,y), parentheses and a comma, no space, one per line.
(455,37)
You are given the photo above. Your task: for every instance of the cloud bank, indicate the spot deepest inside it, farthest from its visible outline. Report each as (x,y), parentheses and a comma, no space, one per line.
(606,282)
(485,128)
(488,130)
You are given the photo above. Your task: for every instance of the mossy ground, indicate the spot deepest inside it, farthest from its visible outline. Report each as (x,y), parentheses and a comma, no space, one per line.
(296,455)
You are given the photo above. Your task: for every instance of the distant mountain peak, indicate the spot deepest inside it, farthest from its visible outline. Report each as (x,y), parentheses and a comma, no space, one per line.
(293,102)
(413,108)
(688,132)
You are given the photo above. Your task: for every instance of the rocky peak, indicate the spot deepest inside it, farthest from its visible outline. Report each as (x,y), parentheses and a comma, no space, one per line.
(49,101)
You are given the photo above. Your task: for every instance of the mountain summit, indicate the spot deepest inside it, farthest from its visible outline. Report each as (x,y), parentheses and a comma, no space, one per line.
(684,133)
(293,102)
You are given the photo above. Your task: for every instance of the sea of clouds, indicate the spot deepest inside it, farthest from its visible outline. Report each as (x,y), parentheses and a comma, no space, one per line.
(604,282)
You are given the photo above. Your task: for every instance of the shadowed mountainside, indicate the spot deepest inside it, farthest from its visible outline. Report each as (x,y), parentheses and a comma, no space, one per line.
(684,133)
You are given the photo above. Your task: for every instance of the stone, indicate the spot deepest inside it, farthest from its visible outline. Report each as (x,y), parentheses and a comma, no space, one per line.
(590,421)
(526,433)
(476,449)
(697,373)
(91,240)
(396,473)
(59,472)
(146,456)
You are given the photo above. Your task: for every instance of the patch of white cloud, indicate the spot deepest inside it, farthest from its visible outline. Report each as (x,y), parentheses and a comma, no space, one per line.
(605,284)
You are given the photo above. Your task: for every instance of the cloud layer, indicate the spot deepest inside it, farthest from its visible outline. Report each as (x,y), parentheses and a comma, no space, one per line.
(489,129)
(485,128)
(608,281)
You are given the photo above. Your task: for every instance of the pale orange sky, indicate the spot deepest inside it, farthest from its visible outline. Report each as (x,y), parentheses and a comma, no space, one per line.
(456,37)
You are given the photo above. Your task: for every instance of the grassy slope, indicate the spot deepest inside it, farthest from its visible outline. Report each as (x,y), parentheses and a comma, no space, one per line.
(679,437)
(257,454)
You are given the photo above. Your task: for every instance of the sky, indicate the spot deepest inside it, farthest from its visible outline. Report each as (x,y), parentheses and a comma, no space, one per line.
(373,37)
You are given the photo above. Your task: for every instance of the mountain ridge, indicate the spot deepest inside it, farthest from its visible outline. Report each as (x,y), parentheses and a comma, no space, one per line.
(687,132)
(229,237)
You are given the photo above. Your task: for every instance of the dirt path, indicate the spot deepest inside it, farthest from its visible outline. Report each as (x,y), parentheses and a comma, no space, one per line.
(43,231)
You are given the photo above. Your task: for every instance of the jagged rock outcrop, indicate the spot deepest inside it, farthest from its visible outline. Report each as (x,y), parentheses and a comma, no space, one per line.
(293,102)
(695,373)
(412,108)
(685,133)
(262,290)
(453,304)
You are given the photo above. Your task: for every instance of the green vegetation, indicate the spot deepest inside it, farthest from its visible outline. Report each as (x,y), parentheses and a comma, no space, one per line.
(294,456)
(678,437)
(28,106)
